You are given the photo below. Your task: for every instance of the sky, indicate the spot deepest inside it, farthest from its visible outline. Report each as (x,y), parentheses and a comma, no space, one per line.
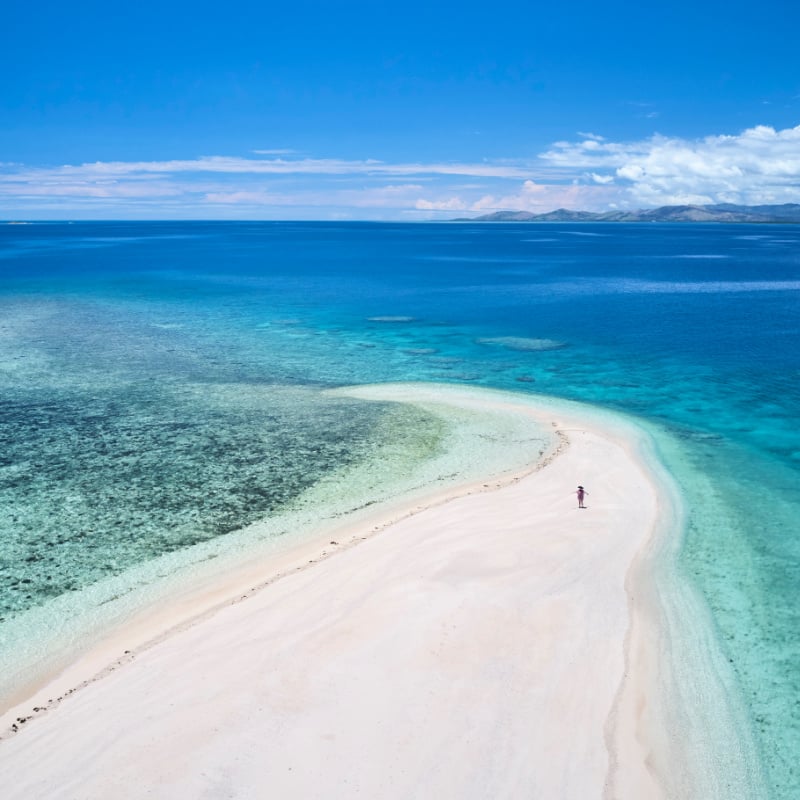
(399,111)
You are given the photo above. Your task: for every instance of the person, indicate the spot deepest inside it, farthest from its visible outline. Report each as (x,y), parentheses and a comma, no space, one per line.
(581,493)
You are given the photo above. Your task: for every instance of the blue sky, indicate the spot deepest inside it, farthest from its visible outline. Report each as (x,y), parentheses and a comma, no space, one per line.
(406,111)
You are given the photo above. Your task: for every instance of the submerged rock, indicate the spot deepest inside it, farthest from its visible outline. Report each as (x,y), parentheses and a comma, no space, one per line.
(522,343)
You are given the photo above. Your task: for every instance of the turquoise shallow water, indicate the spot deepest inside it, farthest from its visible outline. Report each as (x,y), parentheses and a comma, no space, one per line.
(162,385)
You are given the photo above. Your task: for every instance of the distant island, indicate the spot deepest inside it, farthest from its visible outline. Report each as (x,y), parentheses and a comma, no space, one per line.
(722,212)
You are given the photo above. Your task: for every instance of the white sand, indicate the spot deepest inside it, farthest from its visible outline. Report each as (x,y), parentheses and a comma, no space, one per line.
(473,650)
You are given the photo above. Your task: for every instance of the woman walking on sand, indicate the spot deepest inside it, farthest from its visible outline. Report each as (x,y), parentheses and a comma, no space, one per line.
(581,493)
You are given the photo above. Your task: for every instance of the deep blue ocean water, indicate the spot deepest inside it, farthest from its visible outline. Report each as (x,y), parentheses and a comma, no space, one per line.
(135,359)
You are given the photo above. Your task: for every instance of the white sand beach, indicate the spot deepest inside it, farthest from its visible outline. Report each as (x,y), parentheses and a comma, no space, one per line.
(475,648)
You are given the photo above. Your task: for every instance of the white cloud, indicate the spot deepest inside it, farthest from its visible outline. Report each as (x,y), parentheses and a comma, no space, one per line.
(539,198)
(373,197)
(530,196)
(759,165)
(402,188)
(448,204)
(98,189)
(260,185)
(235,165)
(238,198)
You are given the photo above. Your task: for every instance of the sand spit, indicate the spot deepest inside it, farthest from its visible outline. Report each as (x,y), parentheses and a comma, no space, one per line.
(472,648)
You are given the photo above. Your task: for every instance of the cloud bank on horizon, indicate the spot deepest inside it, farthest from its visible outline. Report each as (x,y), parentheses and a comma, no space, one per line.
(759,165)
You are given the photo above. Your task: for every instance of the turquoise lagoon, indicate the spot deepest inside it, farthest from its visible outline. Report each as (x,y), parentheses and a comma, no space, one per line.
(163,386)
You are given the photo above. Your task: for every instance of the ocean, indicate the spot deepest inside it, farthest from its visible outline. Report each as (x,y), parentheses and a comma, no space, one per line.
(163,386)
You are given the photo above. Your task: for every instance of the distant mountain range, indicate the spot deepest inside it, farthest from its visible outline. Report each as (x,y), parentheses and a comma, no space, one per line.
(723,212)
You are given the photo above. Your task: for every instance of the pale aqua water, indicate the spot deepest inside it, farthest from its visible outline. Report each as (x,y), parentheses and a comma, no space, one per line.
(160,385)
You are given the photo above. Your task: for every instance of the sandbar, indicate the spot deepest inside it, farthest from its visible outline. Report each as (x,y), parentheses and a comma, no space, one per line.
(477,646)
